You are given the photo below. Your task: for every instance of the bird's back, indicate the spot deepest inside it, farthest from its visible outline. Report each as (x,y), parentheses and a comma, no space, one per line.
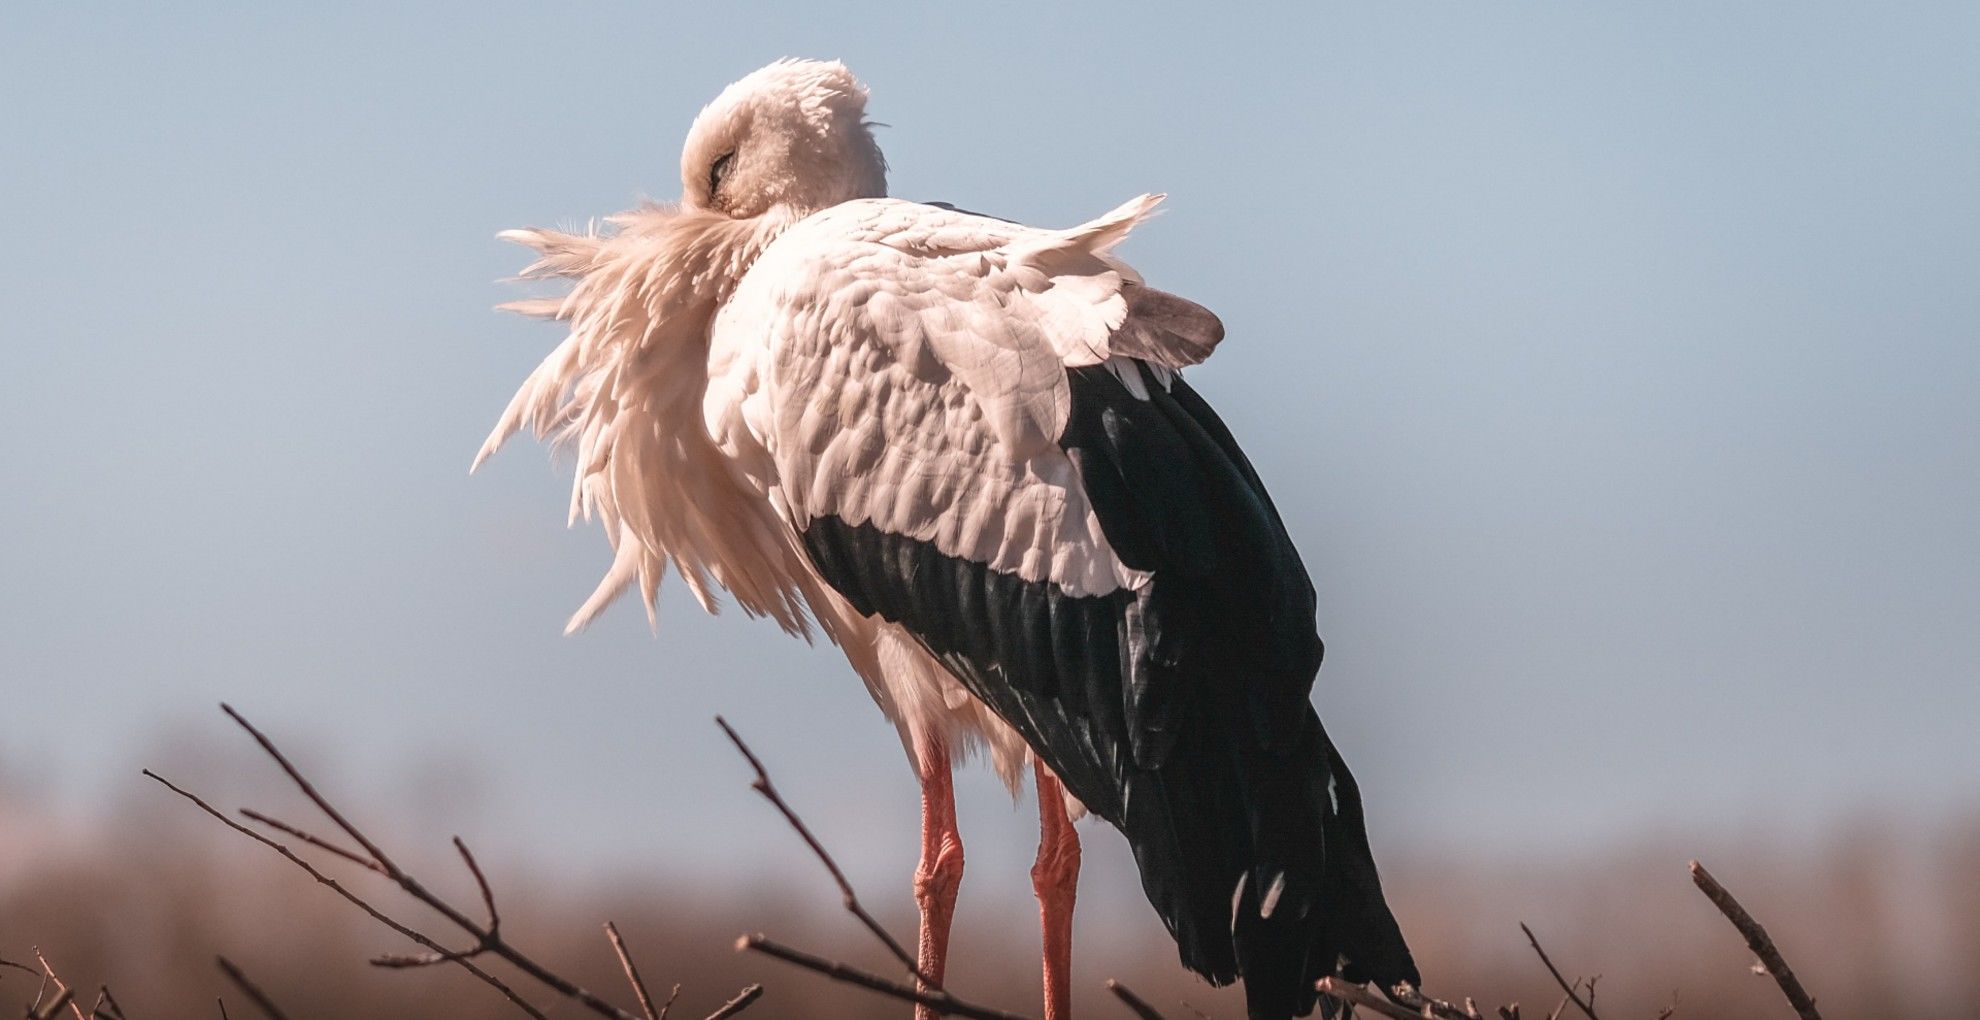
(1123,595)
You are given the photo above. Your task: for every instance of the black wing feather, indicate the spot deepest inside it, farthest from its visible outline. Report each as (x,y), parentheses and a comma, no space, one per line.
(1178,712)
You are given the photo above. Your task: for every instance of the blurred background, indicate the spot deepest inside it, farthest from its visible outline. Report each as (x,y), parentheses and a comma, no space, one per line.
(1615,369)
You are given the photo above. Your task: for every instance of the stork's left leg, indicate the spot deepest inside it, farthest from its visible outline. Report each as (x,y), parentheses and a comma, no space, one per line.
(939,875)
(1055,877)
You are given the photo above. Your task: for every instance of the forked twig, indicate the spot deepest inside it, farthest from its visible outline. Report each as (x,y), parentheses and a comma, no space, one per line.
(110,1001)
(1758,941)
(761,784)
(1587,1008)
(349,896)
(487,936)
(1135,1003)
(739,1003)
(1355,995)
(935,999)
(62,990)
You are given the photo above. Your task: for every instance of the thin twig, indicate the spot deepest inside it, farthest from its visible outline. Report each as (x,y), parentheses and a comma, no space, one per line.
(1425,1005)
(111,1001)
(316,841)
(1135,1003)
(353,898)
(763,786)
(632,974)
(249,989)
(1586,1009)
(61,987)
(1758,941)
(485,940)
(738,1004)
(935,999)
(303,784)
(483,944)
(1355,995)
(22,967)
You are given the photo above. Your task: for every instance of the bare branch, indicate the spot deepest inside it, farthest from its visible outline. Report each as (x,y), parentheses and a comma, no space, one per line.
(110,1001)
(248,988)
(1429,1006)
(1586,1009)
(351,897)
(1355,995)
(1135,1003)
(1758,941)
(763,786)
(485,939)
(62,991)
(316,841)
(738,1004)
(632,975)
(935,999)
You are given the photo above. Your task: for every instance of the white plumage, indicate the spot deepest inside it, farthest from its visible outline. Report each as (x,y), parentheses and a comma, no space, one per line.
(885,361)
(961,447)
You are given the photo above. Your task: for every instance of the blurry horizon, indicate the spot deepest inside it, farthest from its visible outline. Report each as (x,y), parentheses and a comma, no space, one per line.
(1614,369)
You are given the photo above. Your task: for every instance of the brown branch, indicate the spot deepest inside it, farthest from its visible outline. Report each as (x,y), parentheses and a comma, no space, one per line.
(483,945)
(1355,995)
(1135,1003)
(353,898)
(763,786)
(1756,940)
(632,975)
(738,1004)
(485,939)
(939,1001)
(321,844)
(110,1001)
(249,989)
(303,784)
(1587,1009)
(22,967)
(1425,1005)
(62,991)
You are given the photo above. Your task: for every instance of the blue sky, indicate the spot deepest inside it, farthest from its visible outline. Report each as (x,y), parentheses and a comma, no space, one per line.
(1614,365)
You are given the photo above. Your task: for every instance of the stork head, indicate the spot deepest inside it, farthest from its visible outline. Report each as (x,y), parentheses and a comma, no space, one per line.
(791,135)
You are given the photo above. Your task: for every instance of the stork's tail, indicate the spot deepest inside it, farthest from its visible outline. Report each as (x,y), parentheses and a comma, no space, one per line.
(1260,864)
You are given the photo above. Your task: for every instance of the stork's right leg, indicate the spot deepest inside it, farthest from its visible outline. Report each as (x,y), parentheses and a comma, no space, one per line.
(940,872)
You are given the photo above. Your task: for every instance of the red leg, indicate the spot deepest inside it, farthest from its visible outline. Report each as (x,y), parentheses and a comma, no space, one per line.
(939,875)
(1055,877)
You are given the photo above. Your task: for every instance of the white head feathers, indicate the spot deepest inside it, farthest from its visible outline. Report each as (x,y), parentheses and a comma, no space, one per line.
(792,134)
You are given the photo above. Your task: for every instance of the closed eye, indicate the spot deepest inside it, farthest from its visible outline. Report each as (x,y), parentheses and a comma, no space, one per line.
(718,171)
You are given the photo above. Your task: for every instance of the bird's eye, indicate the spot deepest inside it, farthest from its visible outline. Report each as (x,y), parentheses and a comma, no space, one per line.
(718,171)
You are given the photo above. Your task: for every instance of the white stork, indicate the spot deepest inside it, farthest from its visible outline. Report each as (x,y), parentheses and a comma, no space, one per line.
(965,449)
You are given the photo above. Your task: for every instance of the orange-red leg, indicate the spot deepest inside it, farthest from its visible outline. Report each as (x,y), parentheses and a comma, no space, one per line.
(1055,877)
(939,874)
